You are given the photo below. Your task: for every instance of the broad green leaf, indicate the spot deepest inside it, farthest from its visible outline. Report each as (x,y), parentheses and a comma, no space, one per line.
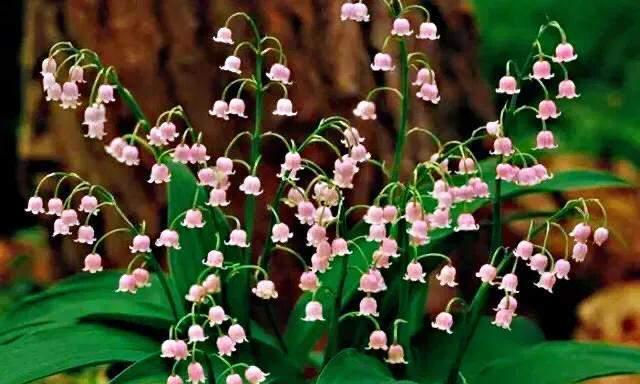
(186,263)
(87,296)
(435,350)
(560,362)
(57,350)
(149,370)
(351,366)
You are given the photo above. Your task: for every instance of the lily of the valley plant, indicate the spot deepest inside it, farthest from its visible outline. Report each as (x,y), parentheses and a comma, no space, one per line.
(363,267)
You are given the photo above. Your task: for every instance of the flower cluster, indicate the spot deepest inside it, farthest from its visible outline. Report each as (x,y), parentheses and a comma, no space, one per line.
(397,225)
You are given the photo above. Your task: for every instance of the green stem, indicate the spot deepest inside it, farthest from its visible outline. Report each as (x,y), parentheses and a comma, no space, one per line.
(404,112)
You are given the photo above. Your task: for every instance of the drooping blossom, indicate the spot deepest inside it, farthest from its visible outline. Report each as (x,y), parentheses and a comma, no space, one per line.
(140,244)
(508,85)
(193,219)
(366,110)
(309,281)
(196,334)
(509,283)
(265,289)
(503,319)
(378,340)
(225,345)
(562,269)
(547,281)
(280,73)
(502,146)
(251,186)
(547,110)
(395,355)
(382,62)
(232,64)
(541,70)
(447,276)
(224,35)
(600,236)
(215,259)
(538,262)
(368,307)
(217,316)
(284,107)
(127,283)
(69,98)
(466,222)
(159,174)
(220,109)
(35,205)
(579,252)
(196,293)
(581,232)
(237,334)
(414,272)
(55,206)
(142,277)
(254,375)
(196,373)
(401,27)
(545,140)
(428,31)
(313,311)
(564,53)
(105,94)
(238,238)
(280,233)
(92,263)
(567,90)
(487,273)
(443,322)
(168,238)
(85,235)
(524,250)
(429,92)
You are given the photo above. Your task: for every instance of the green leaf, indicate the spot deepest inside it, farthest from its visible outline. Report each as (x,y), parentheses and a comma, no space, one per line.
(57,350)
(560,363)
(186,263)
(149,370)
(435,350)
(351,366)
(87,296)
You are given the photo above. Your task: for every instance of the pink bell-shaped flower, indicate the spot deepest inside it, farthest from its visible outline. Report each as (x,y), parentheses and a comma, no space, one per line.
(220,109)
(538,262)
(127,283)
(217,316)
(361,12)
(251,186)
(366,110)
(309,281)
(140,244)
(70,95)
(215,259)
(378,340)
(600,236)
(168,349)
(443,322)
(395,355)
(196,334)
(541,70)
(377,232)
(54,206)
(508,85)
(54,92)
(116,147)
(306,212)
(280,233)
(225,345)
(579,252)
(60,228)
(447,276)
(76,74)
(502,146)
(159,174)
(105,94)
(198,154)
(279,73)
(218,198)
(368,307)
(85,235)
(401,27)
(524,250)
(564,53)
(237,108)
(237,334)
(562,269)
(174,379)
(339,247)
(284,107)
(503,319)
(487,273)
(212,283)
(428,31)
(567,90)
(545,140)
(581,232)
(238,237)
(168,131)
(49,65)
(429,92)
(547,281)
(88,204)
(254,375)
(414,272)
(196,373)
(92,263)
(168,238)
(494,128)
(196,293)
(547,110)
(466,222)
(142,277)
(347,11)
(130,155)
(232,64)
(224,35)
(35,205)
(70,217)
(180,350)
(509,283)
(313,311)
(265,289)
(193,219)
(508,303)
(506,172)
(382,62)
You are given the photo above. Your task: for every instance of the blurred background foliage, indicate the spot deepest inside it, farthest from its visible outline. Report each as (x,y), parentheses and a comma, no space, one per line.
(601,130)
